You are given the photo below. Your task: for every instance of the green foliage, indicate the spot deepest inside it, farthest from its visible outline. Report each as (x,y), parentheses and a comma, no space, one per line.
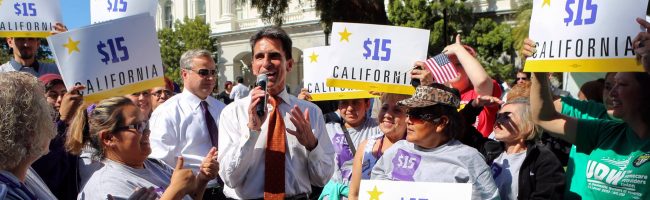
(522,20)
(490,39)
(186,35)
(430,15)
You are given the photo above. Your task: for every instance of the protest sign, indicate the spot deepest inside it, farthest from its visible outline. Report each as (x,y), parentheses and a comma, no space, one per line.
(584,35)
(108,59)
(316,69)
(382,189)
(104,10)
(34,18)
(376,57)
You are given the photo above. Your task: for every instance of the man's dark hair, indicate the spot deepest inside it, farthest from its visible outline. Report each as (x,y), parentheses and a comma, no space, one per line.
(240,79)
(273,32)
(52,83)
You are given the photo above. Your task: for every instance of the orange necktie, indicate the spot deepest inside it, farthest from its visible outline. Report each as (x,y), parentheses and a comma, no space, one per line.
(275,154)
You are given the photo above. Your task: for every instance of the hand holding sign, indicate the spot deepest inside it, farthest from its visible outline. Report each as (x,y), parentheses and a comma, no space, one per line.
(110,60)
(588,36)
(33,18)
(375,57)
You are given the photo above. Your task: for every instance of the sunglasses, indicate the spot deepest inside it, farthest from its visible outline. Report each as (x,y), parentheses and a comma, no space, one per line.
(417,117)
(161,92)
(502,117)
(140,127)
(205,72)
(522,78)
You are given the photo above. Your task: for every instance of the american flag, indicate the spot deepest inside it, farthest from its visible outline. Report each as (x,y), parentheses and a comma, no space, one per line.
(442,69)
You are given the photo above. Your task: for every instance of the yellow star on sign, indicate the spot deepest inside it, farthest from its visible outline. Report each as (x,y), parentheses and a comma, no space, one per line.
(374,194)
(313,57)
(345,35)
(546,2)
(72,45)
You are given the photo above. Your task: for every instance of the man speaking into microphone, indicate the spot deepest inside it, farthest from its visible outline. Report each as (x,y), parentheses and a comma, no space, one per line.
(281,151)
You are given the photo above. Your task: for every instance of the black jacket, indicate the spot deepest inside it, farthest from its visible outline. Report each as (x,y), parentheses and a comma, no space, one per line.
(541,175)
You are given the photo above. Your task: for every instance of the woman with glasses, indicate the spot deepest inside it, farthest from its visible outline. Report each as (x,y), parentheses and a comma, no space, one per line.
(617,151)
(430,152)
(525,169)
(121,138)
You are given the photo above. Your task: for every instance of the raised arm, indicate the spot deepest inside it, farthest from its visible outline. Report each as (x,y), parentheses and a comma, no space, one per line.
(355,181)
(527,50)
(544,113)
(477,75)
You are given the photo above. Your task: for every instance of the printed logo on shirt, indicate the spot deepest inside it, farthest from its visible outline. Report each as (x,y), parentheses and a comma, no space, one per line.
(642,159)
(615,177)
(404,165)
(343,152)
(496,170)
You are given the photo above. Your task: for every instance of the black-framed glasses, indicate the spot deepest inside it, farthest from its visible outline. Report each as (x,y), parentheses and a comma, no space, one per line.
(141,127)
(159,93)
(502,117)
(204,72)
(418,117)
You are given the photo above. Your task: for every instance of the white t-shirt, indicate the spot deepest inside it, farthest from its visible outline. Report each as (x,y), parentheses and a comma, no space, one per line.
(505,170)
(121,181)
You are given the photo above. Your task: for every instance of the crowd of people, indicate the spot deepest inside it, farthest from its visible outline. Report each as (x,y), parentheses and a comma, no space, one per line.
(162,144)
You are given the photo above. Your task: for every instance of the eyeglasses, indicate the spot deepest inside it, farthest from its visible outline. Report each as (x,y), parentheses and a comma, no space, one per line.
(159,93)
(143,93)
(141,127)
(204,72)
(522,78)
(417,117)
(502,117)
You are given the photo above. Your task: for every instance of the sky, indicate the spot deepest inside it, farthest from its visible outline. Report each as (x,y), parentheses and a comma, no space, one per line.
(76,13)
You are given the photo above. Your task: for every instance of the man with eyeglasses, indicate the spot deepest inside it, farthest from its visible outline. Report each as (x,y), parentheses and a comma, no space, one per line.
(160,94)
(186,124)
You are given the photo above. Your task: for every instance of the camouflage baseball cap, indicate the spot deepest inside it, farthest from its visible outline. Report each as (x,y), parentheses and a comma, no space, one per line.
(428,96)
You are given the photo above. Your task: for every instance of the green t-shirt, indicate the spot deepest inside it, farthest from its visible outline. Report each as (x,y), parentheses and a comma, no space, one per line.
(617,165)
(575,182)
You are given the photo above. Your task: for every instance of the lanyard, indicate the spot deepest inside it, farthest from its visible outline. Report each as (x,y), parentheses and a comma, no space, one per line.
(21,187)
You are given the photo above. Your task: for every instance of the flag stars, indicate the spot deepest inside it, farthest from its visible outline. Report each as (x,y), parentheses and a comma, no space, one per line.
(313,57)
(345,35)
(546,2)
(72,45)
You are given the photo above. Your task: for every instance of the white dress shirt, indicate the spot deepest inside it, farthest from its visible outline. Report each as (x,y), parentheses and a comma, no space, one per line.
(239,91)
(178,128)
(241,152)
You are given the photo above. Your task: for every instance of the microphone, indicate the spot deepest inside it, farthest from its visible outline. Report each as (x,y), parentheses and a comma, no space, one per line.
(261,81)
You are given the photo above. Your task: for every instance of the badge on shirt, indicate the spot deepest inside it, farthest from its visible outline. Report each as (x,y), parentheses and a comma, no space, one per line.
(642,159)
(343,152)
(404,165)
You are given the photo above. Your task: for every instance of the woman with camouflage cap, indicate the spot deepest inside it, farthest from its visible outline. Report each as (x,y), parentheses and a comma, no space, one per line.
(431,153)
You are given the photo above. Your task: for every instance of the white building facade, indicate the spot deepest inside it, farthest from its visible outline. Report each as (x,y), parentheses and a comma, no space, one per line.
(233,24)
